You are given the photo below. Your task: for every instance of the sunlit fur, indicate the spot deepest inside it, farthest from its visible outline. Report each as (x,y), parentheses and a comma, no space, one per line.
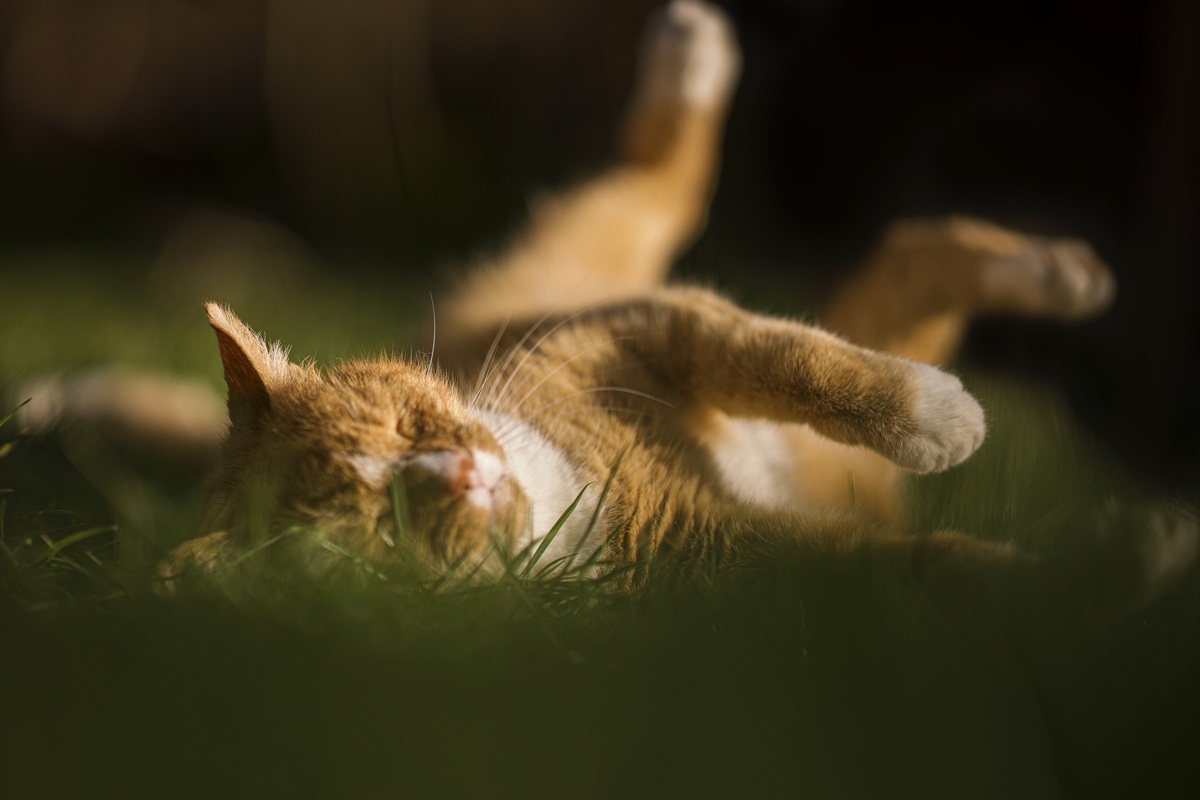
(689,429)
(320,451)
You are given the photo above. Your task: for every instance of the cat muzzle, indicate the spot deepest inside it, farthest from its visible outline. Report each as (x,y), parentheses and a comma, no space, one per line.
(477,476)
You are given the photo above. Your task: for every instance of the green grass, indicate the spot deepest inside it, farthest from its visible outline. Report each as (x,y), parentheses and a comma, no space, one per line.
(361,684)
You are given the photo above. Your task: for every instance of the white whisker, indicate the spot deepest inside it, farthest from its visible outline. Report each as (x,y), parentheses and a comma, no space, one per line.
(512,352)
(529,353)
(517,406)
(484,373)
(583,276)
(433,346)
(589,410)
(593,390)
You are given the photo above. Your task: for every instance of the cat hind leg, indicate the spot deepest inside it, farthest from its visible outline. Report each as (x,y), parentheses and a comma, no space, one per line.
(1057,278)
(929,277)
(914,298)
(689,66)
(616,235)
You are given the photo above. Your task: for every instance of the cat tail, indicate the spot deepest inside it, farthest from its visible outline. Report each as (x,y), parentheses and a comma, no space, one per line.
(157,422)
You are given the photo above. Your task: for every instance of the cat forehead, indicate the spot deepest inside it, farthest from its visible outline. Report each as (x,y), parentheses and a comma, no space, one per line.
(385,373)
(393,384)
(356,399)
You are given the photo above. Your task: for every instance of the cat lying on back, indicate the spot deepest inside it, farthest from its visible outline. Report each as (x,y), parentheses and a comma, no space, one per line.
(679,425)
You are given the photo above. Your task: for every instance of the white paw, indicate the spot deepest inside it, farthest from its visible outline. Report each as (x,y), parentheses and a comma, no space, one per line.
(689,56)
(947,423)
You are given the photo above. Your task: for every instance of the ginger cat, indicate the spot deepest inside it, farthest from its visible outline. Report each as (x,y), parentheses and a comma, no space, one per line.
(679,425)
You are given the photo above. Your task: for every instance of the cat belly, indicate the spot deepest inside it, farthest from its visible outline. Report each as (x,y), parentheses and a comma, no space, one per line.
(756,464)
(793,468)
(550,484)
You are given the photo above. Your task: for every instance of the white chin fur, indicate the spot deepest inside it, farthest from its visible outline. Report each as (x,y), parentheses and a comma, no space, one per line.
(550,484)
(480,497)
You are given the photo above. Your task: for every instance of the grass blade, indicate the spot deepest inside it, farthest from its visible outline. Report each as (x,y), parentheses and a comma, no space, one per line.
(400,515)
(12,413)
(608,540)
(53,547)
(263,545)
(554,529)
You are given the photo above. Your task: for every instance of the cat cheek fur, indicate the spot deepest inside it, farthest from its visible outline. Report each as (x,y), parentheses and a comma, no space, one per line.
(438,518)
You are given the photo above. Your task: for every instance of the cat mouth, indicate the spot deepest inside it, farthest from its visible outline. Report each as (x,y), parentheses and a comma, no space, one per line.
(456,501)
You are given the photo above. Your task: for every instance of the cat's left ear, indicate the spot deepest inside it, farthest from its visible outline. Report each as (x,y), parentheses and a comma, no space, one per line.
(254,370)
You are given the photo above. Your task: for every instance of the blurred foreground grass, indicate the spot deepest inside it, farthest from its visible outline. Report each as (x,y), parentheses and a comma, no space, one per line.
(853,686)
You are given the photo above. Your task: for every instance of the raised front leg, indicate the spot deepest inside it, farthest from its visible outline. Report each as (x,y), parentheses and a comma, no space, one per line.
(753,366)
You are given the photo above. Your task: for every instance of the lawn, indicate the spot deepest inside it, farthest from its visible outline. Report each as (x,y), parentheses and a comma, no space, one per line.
(848,685)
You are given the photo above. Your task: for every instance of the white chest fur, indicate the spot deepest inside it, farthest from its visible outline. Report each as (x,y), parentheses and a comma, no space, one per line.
(550,484)
(754,463)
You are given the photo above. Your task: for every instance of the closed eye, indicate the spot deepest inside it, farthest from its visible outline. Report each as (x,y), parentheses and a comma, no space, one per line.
(412,428)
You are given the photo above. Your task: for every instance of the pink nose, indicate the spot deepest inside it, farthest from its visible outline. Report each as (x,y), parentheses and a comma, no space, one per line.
(473,474)
(469,475)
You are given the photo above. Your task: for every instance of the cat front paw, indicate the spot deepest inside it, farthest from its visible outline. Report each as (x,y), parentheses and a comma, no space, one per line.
(690,57)
(946,424)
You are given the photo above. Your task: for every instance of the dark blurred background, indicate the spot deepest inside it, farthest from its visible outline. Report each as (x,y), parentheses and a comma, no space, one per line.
(411,133)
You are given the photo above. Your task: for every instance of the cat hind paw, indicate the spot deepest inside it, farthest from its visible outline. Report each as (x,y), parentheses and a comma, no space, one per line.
(690,57)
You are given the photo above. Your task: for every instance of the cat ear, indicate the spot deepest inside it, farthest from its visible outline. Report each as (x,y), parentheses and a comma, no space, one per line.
(253,368)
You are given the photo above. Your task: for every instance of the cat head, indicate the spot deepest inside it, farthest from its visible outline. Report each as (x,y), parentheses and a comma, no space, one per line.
(374,456)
